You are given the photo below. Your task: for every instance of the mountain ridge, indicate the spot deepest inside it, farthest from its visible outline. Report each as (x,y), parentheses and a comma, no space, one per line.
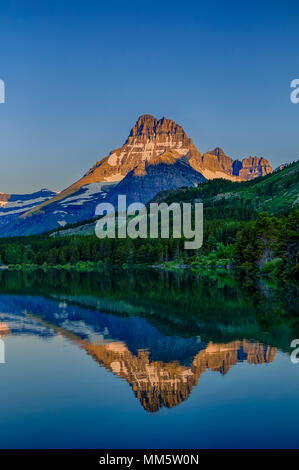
(14,205)
(157,155)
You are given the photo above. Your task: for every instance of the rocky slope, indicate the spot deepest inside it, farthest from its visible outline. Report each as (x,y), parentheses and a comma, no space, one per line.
(252,167)
(147,179)
(216,164)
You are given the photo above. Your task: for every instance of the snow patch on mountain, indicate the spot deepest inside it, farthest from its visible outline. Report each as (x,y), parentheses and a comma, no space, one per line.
(87,192)
(20,203)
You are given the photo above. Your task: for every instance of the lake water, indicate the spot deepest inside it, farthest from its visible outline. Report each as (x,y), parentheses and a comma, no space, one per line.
(146,360)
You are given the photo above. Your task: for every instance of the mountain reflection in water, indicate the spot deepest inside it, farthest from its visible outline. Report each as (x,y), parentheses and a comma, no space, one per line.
(146,359)
(161,369)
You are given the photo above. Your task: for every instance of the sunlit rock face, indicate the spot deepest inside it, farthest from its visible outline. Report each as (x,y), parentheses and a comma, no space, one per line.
(4,329)
(216,164)
(4,198)
(252,167)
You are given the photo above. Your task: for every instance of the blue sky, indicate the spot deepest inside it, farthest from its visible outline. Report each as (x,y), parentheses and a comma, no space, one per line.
(79,73)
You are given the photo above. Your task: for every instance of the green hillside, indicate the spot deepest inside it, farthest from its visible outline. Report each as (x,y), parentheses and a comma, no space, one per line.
(276,193)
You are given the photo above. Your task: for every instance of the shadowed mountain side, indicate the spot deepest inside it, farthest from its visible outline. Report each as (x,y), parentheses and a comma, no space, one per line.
(147,179)
(12,206)
(67,208)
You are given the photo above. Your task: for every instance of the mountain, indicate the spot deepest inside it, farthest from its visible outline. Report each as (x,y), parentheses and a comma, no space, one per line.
(148,140)
(252,167)
(158,155)
(14,205)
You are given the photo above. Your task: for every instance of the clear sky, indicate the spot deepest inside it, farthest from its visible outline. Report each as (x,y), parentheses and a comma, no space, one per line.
(78,74)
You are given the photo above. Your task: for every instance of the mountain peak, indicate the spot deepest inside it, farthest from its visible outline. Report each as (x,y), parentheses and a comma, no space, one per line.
(252,167)
(218,152)
(145,117)
(149,128)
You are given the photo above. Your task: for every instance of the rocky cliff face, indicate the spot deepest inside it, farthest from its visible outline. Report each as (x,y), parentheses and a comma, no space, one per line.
(216,164)
(253,167)
(224,162)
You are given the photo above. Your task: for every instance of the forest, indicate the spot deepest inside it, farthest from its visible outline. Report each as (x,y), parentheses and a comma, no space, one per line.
(251,226)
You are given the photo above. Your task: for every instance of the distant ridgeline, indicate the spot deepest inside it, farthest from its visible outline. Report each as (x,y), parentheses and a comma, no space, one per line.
(237,233)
